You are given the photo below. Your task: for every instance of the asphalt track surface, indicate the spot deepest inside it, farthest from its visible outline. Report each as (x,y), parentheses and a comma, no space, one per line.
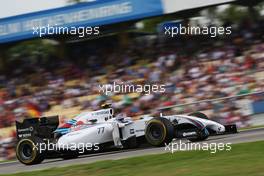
(15,166)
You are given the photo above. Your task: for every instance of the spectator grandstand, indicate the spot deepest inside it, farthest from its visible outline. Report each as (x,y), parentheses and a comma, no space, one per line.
(208,70)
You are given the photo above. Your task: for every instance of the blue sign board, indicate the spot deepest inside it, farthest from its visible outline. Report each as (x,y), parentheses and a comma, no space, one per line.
(84,14)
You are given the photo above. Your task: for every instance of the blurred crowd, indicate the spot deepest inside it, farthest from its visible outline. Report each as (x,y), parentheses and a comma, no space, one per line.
(192,68)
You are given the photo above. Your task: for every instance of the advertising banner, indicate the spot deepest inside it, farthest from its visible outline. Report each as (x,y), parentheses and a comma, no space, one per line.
(84,14)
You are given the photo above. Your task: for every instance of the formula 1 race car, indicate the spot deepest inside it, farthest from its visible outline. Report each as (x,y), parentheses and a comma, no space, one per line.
(40,138)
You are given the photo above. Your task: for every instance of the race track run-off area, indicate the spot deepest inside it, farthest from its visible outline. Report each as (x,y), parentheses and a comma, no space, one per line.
(112,157)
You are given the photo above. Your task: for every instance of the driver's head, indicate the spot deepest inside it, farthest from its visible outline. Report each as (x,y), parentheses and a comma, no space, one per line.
(106,105)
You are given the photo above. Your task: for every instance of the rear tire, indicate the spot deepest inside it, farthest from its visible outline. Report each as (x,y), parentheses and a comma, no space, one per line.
(28,151)
(159,131)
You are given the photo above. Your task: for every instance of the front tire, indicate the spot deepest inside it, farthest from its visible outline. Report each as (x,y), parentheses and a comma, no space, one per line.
(159,131)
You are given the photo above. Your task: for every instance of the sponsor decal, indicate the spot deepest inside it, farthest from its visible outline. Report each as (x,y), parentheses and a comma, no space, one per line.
(188,133)
(29,129)
(132,131)
(24,135)
(140,130)
(100,112)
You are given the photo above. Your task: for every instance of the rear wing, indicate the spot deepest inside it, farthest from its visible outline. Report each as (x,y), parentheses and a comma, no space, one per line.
(42,127)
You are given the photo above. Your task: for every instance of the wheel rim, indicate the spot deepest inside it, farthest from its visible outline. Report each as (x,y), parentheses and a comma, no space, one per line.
(156,132)
(26,151)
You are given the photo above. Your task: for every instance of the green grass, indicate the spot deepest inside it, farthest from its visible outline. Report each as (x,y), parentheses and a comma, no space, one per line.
(7,161)
(251,127)
(243,160)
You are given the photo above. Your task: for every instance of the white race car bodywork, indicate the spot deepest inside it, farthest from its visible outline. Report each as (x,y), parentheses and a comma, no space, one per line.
(99,127)
(217,127)
(100,130)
